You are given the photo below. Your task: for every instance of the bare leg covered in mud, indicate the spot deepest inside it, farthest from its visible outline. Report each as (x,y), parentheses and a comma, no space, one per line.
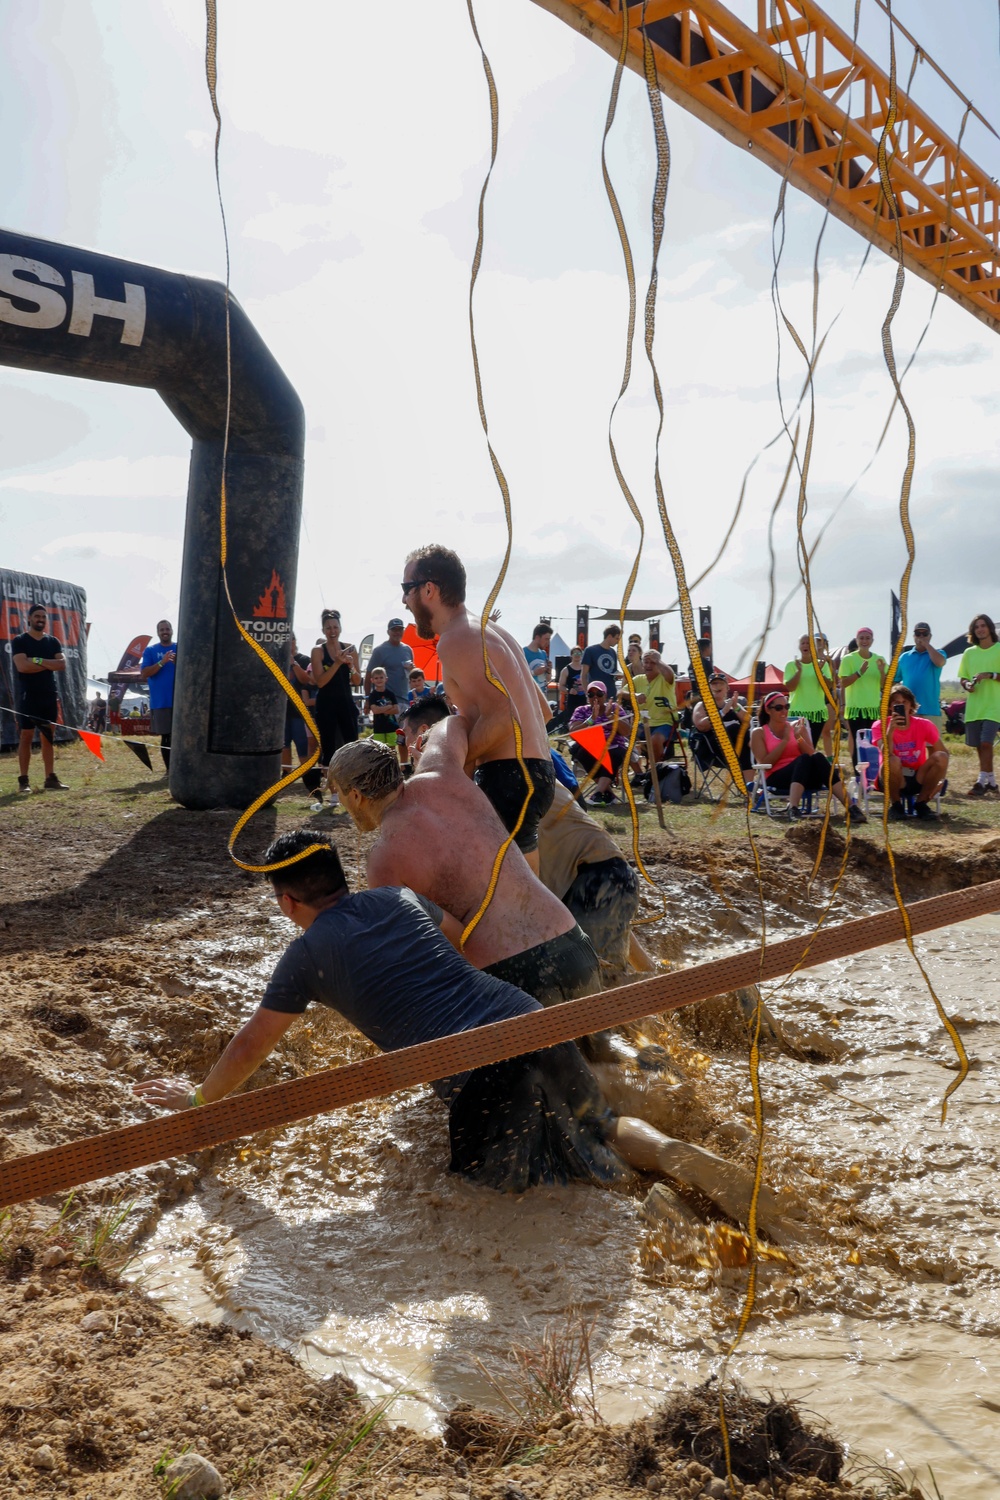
(647,1149)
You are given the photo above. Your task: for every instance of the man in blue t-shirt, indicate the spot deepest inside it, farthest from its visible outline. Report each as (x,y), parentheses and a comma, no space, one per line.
(157,671)
(920,670)
(600,663)
(380,959)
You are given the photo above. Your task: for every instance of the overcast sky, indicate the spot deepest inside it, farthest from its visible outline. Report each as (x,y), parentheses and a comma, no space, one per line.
(352,158)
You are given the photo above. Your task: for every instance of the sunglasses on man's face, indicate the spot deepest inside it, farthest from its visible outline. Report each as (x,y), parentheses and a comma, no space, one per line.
(415,583)
(921,632)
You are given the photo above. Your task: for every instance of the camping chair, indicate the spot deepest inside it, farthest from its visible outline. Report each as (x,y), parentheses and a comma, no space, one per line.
(765,798)
(710,775)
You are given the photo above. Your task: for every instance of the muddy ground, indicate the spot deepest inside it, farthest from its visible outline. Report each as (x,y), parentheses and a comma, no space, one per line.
(131,945)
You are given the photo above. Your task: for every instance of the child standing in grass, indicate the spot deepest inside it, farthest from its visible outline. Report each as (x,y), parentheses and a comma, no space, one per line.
(382,704)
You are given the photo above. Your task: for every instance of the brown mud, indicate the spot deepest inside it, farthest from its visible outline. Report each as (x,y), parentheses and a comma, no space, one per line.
(131,946)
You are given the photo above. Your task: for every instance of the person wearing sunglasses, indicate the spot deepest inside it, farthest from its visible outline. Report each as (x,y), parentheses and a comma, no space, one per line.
(920,670)
(434,592)
(794,765)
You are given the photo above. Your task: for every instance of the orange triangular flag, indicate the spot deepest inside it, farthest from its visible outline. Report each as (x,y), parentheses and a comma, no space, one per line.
(593,740)
(92,742)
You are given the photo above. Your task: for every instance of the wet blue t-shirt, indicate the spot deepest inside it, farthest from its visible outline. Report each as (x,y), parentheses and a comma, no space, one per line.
(379,958)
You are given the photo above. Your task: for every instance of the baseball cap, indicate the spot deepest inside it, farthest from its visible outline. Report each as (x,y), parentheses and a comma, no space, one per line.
(922,625)
(597,687)
(394,625)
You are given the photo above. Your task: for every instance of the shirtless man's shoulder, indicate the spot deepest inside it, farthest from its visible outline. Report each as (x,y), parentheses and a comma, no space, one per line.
(460,648)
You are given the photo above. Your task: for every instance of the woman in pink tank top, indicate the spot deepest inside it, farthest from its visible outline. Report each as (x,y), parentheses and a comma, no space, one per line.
(795,766)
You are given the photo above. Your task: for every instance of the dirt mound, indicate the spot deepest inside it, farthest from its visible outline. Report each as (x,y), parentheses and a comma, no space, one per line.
(767,1439)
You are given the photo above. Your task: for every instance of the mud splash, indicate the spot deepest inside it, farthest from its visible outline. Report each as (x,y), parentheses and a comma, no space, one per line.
(344,1240)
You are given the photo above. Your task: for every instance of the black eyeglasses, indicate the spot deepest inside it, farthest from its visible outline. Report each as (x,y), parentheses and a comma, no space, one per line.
(771,707)
(416,583)
(921,632)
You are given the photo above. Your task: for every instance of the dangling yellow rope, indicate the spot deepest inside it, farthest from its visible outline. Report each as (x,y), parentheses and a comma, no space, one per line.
(886,149)
(501,480)
(211,76)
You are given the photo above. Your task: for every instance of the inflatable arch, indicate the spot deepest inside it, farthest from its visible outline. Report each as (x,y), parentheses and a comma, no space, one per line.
(75,313)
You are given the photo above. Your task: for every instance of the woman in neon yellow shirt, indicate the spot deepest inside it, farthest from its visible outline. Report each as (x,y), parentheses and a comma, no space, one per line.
(979,671)
(862,675)
(807,699)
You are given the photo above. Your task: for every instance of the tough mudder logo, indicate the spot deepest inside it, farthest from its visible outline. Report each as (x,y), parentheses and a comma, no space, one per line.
(269,620)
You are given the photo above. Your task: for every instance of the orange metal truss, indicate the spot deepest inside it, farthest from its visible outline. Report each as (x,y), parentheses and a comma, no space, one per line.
(804,99)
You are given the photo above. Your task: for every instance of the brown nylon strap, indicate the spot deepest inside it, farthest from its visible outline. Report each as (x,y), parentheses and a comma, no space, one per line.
(65,1167)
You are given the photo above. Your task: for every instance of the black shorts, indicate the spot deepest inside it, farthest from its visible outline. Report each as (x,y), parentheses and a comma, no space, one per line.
(44,724)
(604,899)
(863,720)
(563,968)
(503,783)
(540,1118)
(911,786)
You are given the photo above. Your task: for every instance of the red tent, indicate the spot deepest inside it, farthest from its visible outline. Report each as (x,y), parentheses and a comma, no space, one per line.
(424,654)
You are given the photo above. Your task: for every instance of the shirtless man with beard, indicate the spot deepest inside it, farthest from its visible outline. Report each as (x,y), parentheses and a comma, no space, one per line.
(439,836)
(434,593)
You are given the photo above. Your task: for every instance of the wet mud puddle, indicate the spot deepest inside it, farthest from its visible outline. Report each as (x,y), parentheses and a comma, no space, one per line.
(345,1240)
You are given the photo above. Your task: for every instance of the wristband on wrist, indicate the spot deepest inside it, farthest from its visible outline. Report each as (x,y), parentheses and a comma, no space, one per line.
(197,1099)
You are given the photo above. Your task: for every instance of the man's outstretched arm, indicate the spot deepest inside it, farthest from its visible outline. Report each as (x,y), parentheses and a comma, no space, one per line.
(254,1042)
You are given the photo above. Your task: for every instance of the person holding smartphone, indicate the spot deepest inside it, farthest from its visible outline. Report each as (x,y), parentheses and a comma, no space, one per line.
(917,759)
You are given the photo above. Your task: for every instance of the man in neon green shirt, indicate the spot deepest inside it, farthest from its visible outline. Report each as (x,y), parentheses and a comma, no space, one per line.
(656,695)
(979,671)
(862,675)
(807,699)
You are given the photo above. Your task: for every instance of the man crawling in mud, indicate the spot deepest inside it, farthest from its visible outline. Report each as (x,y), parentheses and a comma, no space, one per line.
(434,593)
(380,959)
(439,835)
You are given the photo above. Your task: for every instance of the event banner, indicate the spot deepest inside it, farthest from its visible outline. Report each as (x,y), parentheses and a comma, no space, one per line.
(67,607)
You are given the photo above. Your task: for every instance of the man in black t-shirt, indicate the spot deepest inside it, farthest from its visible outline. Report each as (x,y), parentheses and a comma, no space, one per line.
(37,657)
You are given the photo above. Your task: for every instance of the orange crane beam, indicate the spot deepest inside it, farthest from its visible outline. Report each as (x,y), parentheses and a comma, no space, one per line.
(811,104)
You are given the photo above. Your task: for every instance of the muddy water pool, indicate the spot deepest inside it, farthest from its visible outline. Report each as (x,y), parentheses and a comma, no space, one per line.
(345,1240)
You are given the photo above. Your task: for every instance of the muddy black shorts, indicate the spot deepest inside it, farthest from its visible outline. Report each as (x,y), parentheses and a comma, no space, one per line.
(503,783)
(540,1118)
(564,968)
(604,899)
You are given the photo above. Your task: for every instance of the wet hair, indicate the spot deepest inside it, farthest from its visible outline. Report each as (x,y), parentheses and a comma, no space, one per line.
(900,690)
(431,711)
(972,629)
(309,880)
(368,767)
(445,568)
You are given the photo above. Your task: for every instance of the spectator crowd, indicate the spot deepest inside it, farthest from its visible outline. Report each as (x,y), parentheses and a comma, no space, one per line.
(785,741)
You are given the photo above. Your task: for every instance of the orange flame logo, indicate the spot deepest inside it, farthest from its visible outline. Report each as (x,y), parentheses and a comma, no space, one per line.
(271,604)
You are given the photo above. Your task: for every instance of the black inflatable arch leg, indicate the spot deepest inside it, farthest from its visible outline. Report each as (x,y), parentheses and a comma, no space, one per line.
(71,312)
